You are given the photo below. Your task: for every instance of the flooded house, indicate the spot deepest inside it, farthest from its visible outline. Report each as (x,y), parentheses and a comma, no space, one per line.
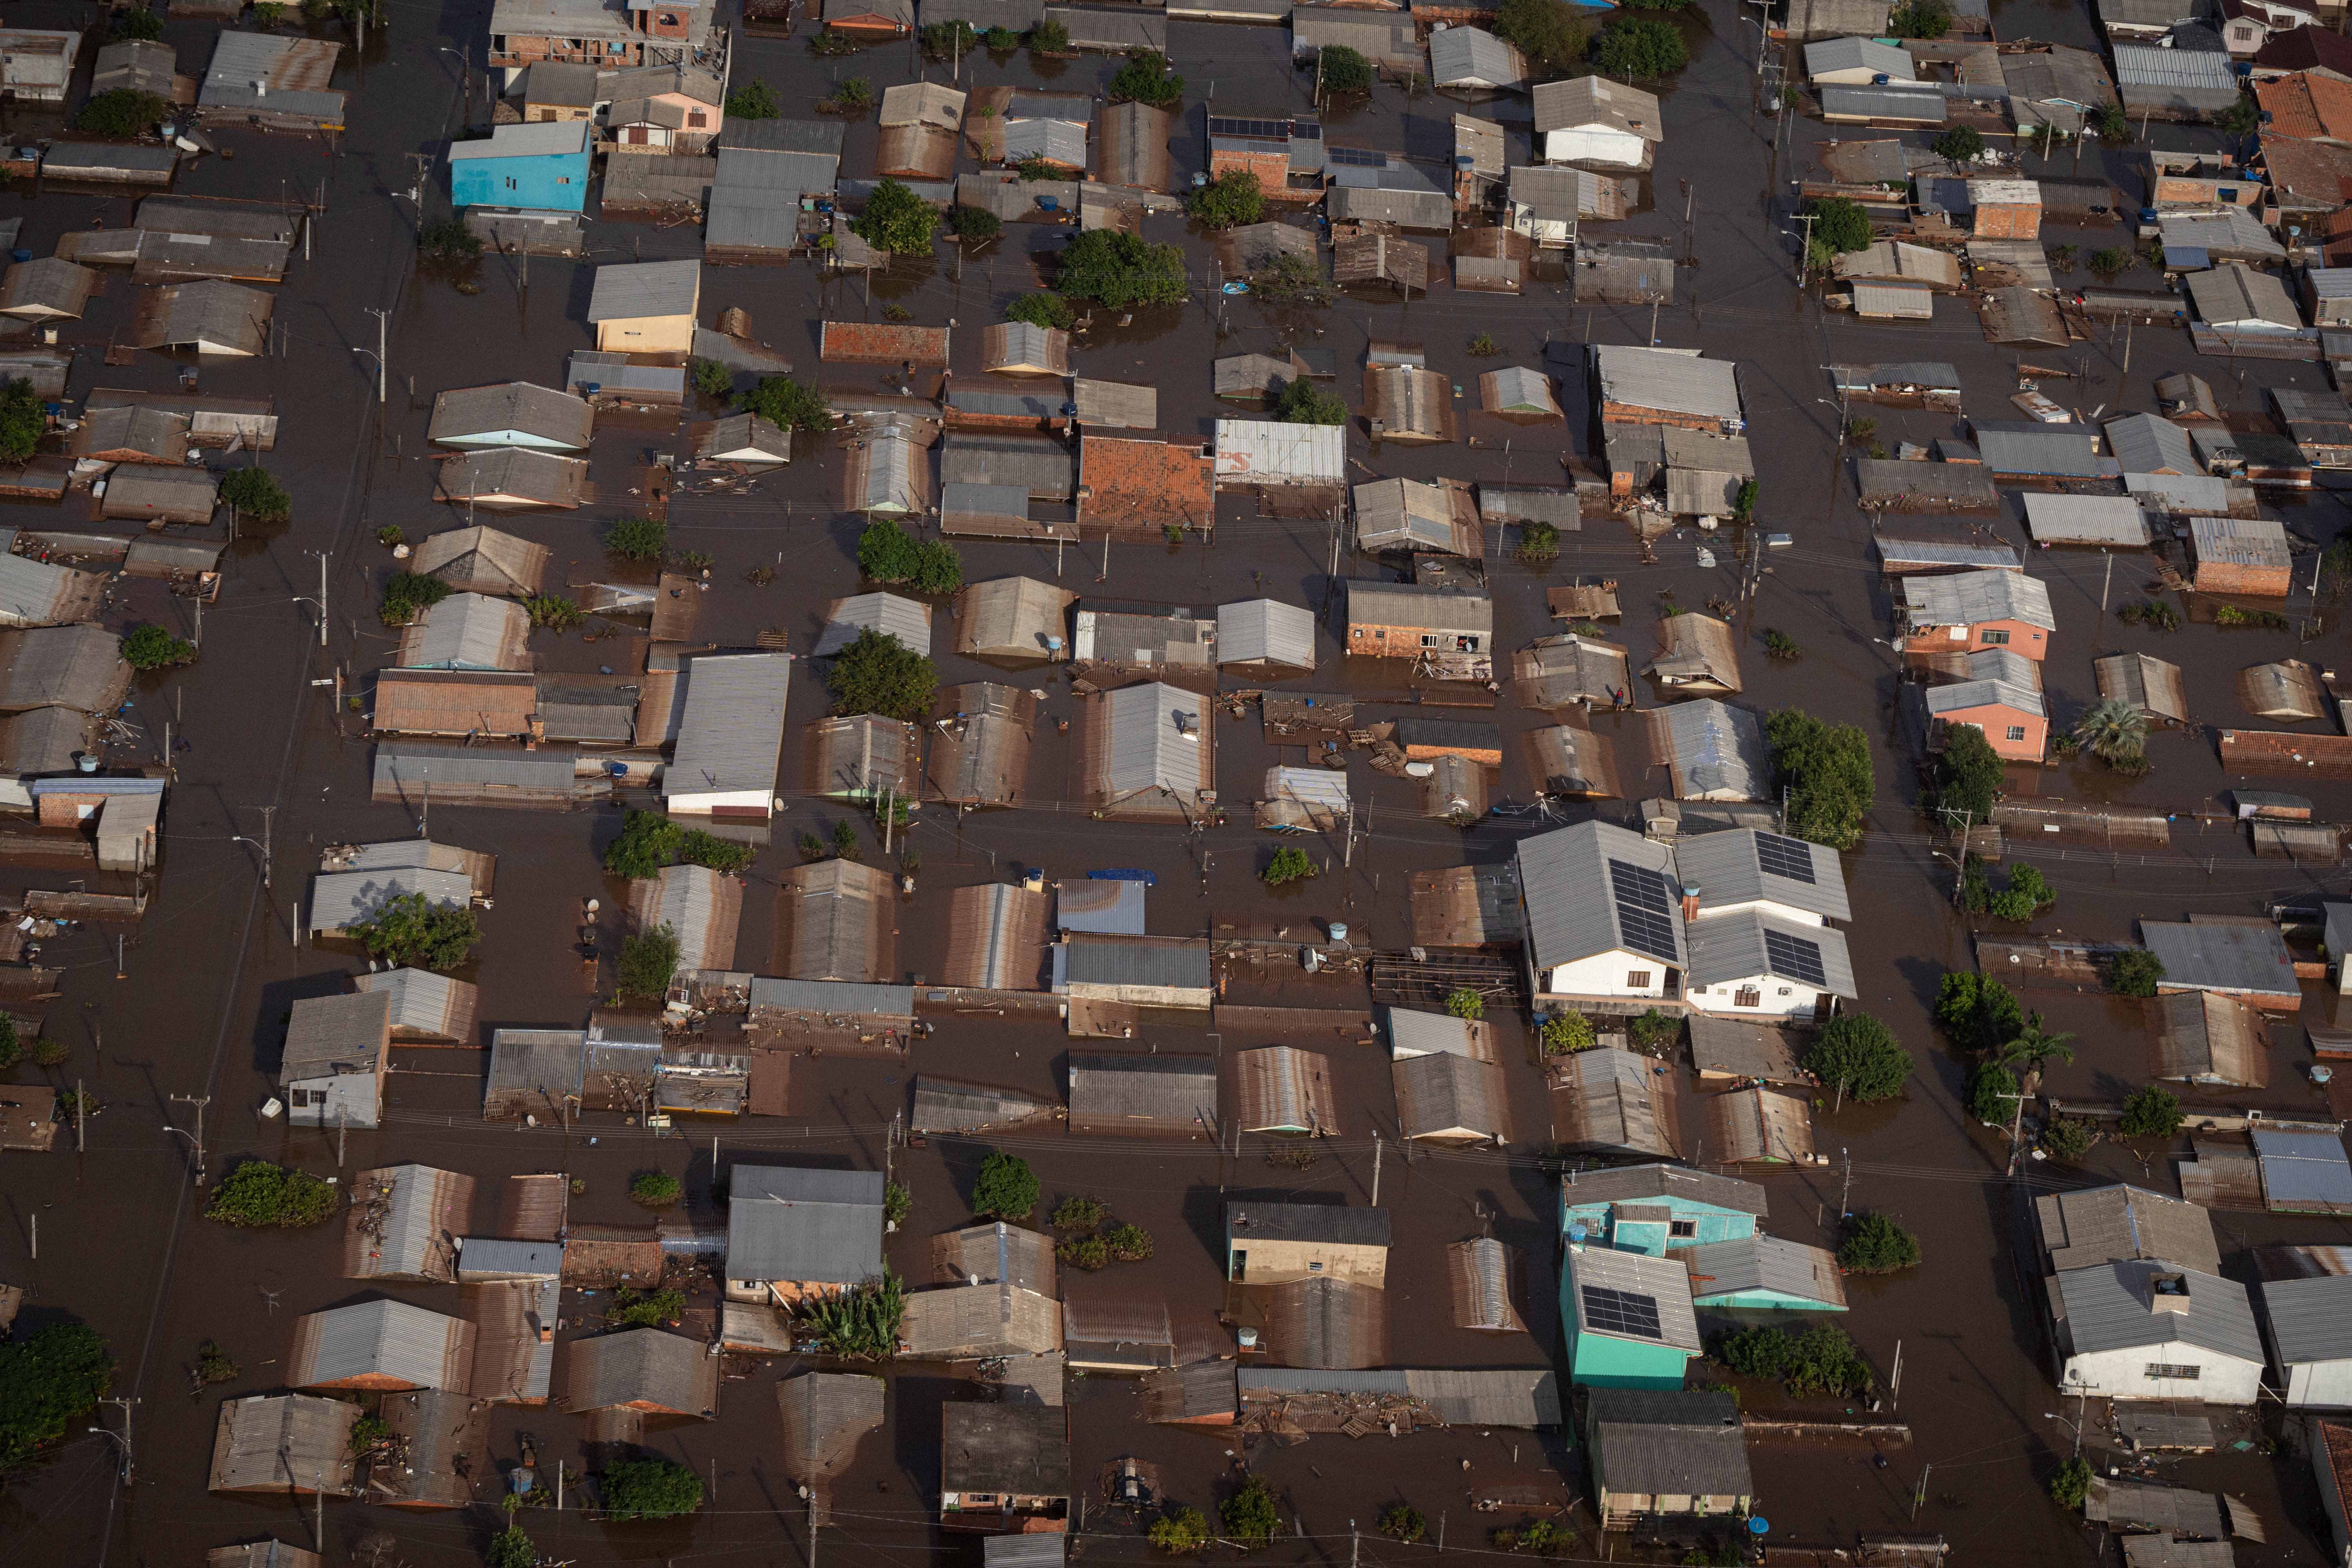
(380,1345)
(1628,1318)
(1658,1208)
(336,1054)
(297,1445)
(1004,1468)
(1666,1452)
(1275,1243)
(797,1233)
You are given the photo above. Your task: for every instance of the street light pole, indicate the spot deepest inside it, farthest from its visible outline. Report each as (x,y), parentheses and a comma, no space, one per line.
(383,329)
(197,1137)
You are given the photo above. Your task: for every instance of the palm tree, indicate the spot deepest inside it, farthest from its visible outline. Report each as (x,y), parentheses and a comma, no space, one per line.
(2114,731)
(2033,1046)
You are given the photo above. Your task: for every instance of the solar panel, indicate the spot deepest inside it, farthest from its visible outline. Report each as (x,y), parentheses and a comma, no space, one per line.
(1789,857)
(1305,130)
(1273,128)
(1620,1313)
(1794,958)
(1360,157)
(1645,909)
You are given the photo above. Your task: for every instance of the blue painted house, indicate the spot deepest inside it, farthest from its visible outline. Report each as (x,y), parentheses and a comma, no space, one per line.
(1656,1209)
(1627,1317)
(543,165)
(1764,1271)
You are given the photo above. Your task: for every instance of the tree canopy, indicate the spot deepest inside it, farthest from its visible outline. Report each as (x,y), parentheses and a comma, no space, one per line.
(1304,403)
(877,673)
(1043,309)
(649,841)
(1859,1056)
(408,930)
(1118,269)
(23,422)
(1005,1189)
(1966,776)
(755,99)
(1343,70)
(1874,1244)
(256,1193)
(1641,48)
(650,1489)
(648,961)
(48,1380)
(1550,33)
(888,553)
(1232,199)
(1827,771)
(1145,79)
(121,112)
(255,493)
(896,220)
(1840,224)
(790,405)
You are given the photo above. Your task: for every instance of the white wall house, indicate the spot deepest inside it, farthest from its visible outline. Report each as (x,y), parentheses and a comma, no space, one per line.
(1591,120)
(2151,1331)
(2308,1323)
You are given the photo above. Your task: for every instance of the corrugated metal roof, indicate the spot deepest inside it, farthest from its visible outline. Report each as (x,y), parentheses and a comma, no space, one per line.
(1266,631)
(630,290)
(1971,598)
(1419,605)
(2150,444)
(1264,451)
(2310,1320)
(1714,751)
(1729,867)
(795,1224)
(832,999)
(1561,871)
(1668,381)
(1442,1095)
(380,1343)
(1752,1263)
(1664,1281)
(272,73)
(1472,56)
(1159,1092)
(906,620)
(2106,1308)
(1896,301)
(1677,1443)
(642,1367)
(732,728)
(2235,294)
(996,937)
(1829,55)
(468,631)
(536,139)
(826,1415)
(1154,741)
(1611,1099)
(403,1222)
(2145,65)
(2219,955)
(2304,1171)
(2086,519)
(837,923)
(1916,106)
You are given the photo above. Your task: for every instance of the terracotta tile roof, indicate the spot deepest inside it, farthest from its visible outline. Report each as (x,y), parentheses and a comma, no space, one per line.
(2308,106)
(1146,482)
(875,342)
(2336,1438)
(2307,173)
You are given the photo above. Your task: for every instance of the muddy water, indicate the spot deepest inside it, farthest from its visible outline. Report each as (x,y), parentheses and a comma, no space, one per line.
(211,974)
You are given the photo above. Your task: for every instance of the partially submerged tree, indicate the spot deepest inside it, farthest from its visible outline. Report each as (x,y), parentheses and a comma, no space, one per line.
(877,673)
(896,220)
(410,931)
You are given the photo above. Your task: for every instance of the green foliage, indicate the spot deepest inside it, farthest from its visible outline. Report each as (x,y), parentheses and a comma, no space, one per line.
(1129,1243)
(1921,19)
(1779,645)
(215,1365)
(1840,224)
(648,960)
(23,422)
(150,646)
(46,1053)
(448,240)
(1743,500)
(649,841)
(789,404)
(1402,1521)
(12,1047)
(2110,260)
(1966,776)
(1118,270)
(655,1189)
(139,24)
(2240,118)
(256,1193)
(648,1489)
(2235,615)
(1031,170)
(1567,1033)
(949,40)
(2135,973)
(1146,78)
(1304,403)
(646,1309)
(1079,1213)
(2067,1141)
(255,493)
(554,612)
(1343,70)
(1249,1514)
(862,1322)
(268,13)
(408,930)
(1538,544)
(897,1204)
(829,42)
(2155,613)
(1961,144)
(1874,1244)
(407,595)
(638,539)
(1284,278)
(512,1547)
(1861,1056)
(846,846)
(1827,772)
(2072,1484)
(879,674)
(1229,200)
(2114,732)
(1977,1014)
(896,220)
(1550,33)
(2027,895)
(1484,346)
(1006,1187)
(888,553)
(1641,48)
(755,99)
(1179,1530)
(1287,866)
(1816,1360)
(1086,1252)
(2152,1113)
(1465,1004)
(1653,1032)
(2062,257)
(123,111)
(1992,1094)
(975,223)
(369,1431)
(713,378)
(1002,40)
(2112,125)
(1049,38)
(1043,309)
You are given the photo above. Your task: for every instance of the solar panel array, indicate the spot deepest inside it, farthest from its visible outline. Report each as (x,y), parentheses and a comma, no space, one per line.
(1645,909)
(1620,1313)
(1360,157)
(1275,130)
(1789,857)
(1794,958)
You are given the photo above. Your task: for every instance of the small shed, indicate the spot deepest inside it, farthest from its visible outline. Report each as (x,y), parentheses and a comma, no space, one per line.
(1265,634)
(1697,655)
(1282,1088)
(1024,348)
(749,440)
(1519,393)
(2288,690)
(1448,1098)
(1013,618)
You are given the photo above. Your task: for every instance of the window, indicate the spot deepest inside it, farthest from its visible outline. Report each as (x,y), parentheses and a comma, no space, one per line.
(2017,731)
(696,119)
(1428,639)
(1637,980)
(1992,638)
(1315,1269)
(2169,1371)
(1958,634)
(1747,997)
(1687,1228)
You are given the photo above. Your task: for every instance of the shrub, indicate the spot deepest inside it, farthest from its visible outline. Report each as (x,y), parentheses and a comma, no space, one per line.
(2110,260)
(1484,346)
(255,493)
(1402,1522)
(877,673)
(1876,1244)
(1079,1213)
(1653,1031)
(755,99)
(1004,40)
(151,648)
(1304,403)
(124,111)
(1288,865)
(896,220)
(790,405)
(1465,1004)
(1250,1515)
(1086,1252)
(648,960)
(648,1489)
(862,1322)
(1565,1033)
(1129,1243)
(2072,1484)
(256,1194)
(646,1309)
(1827,773)
(949,40)
(1145,79)
(1816,1360)
(1779,645)
(407,595)
(1840,224)
(1977,1014)
(655,1189)
(1118,270)
(1743,500)
(23,420)
(1006,1187)
(1966,776)
(448,240)
(846,846)
(974,223)
(2135,973)
(1550,33)
(1860,1057)
(713,378)
(2240,118)
(2152,1113)
(554,612)
(638,539)
(1961,144)
(48,1053)
(139,24)
(898,1205)
(1992,1094)
(215,1365)
(369,1431)
(1921,19)
(407,931)
(852,95)
(1049,38)
(1343,70)
(2067,1141)
(2112,125)
(512,1547)
(1229,200)
(1538,544)
(1179,1530)
(1043,309)
(12,1048)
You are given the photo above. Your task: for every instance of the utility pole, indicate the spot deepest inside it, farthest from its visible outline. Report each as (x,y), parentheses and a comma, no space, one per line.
(383,332)
(126,1403)
(318,1490)
(199,1101)
(1355,1544)
(558,1486)
(1895,1380)
(324,556)
(1845,1195)
(2105,583)
(1376,1169)
(81,1115)
(1921,1495)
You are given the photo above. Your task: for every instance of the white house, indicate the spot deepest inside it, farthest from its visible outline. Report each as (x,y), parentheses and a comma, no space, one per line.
(1856,62)
(2140,1330)
(730,737)
(1591,120)
(2307,1305)
(1603,913)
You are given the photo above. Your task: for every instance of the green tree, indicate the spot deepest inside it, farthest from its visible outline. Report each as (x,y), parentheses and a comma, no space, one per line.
(554,612)
(1006,1187)
(1860,1057)
(1229,200)
(1874,1244)
(1304,403)
(949,40)
(512,1547)
(2240,118)
(1343,70)
(1840,224)
(2152,1113)
(1827,773)
(1966,776)
(1641,48)
(1288,865)
(1961,144)
(755,99)
(1129,1243)
(648,961)
(121,112)
(887,552)
(862,1322)
(638,539)
(896,220)
(1817,1360)
(215,1365)
(647,842)
(877,673)
(409,930)
(256,1194)
(1179,1530)
(408,595)
(1921,19)
(846,846)
(898,1205)
(2109,260)
(646,1309)
(2114,732)
(1146,78)
(1001,40)
(255,493)
(974,224)
(1992,1094)
(1043,309)
(2135,972)
(48,1382)
(2072,1484)
(1118,270)
(713,378)
(1079,1213)
(789,404)
(1567,1033)
(1550,33)
(650,1489)
(1087,1252)
(1402,1521)
(2067,1141)
(1049,38)
(150,646)
(139,24)
(1465,1004)
(448,240)
(12,1046)
(23,422)
(655,1189)
(2112,125)
(1250,1515)
(2027,895)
